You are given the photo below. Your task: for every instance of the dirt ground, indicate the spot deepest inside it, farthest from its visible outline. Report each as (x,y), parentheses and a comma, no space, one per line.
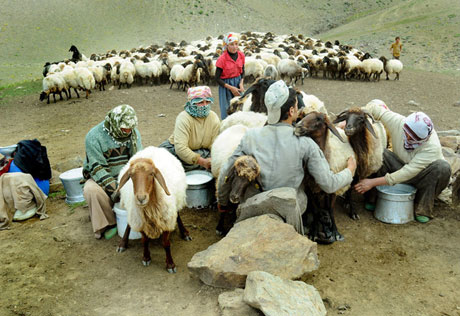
(55,267)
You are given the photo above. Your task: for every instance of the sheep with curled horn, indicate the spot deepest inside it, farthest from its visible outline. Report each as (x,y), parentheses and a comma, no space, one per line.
(337,150)
(368,139)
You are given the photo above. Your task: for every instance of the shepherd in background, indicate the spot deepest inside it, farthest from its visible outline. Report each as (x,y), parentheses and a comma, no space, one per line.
(229,72)
(396,48)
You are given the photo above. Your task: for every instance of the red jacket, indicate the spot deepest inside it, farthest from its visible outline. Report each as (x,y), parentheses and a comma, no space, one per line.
(230,68)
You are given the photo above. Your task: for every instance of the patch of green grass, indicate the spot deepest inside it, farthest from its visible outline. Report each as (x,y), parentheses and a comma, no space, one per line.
(57,194)
(73,206)
(20,89)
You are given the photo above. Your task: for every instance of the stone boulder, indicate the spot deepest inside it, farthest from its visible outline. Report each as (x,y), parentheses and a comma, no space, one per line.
(277,297)
(452,142)
(257,244)
(452,158)
(55,183)
(232,304)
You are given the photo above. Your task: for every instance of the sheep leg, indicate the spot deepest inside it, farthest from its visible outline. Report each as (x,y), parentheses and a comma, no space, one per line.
(351,211)
(124,241)
(87,93)
(145,242)
(54,97)
(170,266)
(172,82)
(220,225)
(184,233)
(331,203)
(66,94)
(76,91)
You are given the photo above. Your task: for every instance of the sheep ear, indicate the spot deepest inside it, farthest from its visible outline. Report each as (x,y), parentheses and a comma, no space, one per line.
(124,179)
(230,174)
(370,116)
(259,183)
(334,130)
(370,128)
(341,117)
(157,174)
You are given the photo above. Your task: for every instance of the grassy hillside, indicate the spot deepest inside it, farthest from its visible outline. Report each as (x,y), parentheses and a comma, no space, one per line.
(33,32)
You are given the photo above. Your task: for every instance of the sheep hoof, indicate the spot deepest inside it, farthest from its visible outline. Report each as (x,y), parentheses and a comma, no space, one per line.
(219,233)
(172,270)
(121,249)
(187,238)
(355,217)
(339,237)
(146,263)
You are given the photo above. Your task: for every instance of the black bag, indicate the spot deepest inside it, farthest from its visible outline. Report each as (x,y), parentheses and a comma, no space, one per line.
(31,157)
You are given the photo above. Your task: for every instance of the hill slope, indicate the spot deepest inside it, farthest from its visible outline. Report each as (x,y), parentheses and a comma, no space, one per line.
(33,32)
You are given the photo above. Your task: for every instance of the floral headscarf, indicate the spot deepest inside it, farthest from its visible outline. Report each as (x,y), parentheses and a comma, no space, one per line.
(122,116)
(230,38)
(196,95)
(419,127)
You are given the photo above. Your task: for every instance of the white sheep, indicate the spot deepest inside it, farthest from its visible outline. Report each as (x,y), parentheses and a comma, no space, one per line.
(249,119)
(127,73)
(175,75)
(271,72)
(224,145)
(253,69)
(85,79)
(153,188)
(291,69)
(312,104)
(53,83)
(392,66)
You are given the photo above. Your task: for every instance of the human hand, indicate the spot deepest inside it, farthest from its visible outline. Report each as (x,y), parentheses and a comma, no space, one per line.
(204,162)
(235,91)
(364,185)
(241,89)
(115,197)
(351,164)
(341,124)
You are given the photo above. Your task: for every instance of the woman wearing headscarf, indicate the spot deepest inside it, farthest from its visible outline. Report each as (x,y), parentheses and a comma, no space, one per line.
(109,145)
(229,72)
(416,158)
(195,130)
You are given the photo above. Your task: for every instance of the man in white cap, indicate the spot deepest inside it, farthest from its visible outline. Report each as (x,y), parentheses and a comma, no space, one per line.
(282,157)
(416,158)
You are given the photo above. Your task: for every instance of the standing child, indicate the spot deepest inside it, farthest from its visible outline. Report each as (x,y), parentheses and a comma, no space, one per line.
(396,48)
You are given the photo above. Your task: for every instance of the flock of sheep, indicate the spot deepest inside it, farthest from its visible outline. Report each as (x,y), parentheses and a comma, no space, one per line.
(288,57)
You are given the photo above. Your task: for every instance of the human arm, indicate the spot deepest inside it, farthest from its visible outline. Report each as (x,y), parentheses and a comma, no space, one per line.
(318,167)
(96,166)
(365,185)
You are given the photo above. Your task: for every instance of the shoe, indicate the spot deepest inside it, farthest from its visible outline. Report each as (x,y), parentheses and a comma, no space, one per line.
(109,233)
(97,235)
(422,219)
(20,216)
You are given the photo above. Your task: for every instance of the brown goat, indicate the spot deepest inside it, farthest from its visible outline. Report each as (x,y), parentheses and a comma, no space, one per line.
(244,173)
(367,144)
(145,177)
(317,125)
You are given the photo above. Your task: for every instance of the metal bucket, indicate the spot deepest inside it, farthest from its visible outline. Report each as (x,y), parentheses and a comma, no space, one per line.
(8,150)
(122,222)
(73,189)
(199,188)
(395,204)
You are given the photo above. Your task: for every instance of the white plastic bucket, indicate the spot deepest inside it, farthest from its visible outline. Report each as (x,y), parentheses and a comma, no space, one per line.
(199,189)
(8,150)
(73,189)
(122,222)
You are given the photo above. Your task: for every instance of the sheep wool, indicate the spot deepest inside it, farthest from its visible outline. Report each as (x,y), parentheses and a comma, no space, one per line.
(161,215)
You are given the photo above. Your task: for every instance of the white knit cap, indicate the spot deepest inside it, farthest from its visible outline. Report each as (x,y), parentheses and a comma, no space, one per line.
(275,97)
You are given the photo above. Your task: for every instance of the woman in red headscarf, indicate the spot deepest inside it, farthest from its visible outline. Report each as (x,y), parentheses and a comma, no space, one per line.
(229,72)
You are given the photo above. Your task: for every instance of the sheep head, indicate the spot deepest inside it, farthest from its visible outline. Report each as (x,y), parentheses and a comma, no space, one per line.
(356,121)
(143,173)
(245,171)
(316,125)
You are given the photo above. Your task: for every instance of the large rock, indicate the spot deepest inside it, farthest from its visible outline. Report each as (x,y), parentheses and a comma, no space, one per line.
(452,142)
(256,244)
(452,158)
(277,297)
(55,183)
(232,304)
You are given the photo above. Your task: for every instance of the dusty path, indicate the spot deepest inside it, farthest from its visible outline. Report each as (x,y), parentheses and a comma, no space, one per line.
(55,267)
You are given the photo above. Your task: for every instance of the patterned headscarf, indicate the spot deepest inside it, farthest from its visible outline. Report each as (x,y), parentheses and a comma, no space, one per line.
(122,116)
(196,95)
(419,127)
(230,38)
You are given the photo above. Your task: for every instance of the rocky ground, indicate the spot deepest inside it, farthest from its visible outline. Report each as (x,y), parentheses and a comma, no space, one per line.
(56,267)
